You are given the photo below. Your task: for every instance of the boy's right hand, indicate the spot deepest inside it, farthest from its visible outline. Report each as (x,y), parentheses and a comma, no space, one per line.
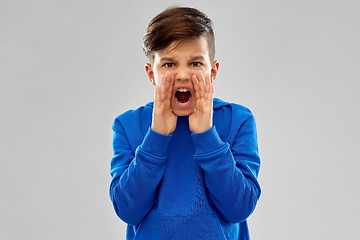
(163,119)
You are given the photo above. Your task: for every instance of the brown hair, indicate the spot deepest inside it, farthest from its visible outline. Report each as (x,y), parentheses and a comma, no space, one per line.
(177,24)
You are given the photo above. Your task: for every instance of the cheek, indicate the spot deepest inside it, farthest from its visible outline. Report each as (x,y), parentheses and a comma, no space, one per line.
(157,74)
(207,70)
(157,78)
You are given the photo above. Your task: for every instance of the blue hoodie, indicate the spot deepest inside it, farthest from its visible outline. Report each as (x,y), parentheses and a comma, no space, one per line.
(185,185)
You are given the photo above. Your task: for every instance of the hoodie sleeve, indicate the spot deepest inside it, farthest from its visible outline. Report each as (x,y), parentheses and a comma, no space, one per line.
(230,171)
(135,176)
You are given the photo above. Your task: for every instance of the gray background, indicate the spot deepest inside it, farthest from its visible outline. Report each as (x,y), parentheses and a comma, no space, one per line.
(68,68)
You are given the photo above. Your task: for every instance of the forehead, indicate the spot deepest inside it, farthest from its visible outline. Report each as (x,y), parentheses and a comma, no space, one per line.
(185,49)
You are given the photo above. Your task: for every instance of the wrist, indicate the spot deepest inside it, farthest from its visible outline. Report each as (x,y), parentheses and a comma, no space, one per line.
(155,144)
(202,129)
(206,142)
(161,131)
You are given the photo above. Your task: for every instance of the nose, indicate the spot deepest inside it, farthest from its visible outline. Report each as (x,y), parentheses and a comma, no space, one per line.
(183,74)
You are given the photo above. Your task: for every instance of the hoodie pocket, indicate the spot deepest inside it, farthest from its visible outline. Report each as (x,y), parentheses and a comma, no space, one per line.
(180,228)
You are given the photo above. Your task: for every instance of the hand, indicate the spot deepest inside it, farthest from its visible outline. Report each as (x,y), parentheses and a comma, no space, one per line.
(163,119)
(201,119)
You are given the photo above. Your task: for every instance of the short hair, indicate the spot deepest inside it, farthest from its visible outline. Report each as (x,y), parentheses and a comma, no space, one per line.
(177,24)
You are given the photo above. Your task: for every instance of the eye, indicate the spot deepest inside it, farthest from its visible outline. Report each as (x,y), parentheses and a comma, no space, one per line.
(196,64)
(169,65)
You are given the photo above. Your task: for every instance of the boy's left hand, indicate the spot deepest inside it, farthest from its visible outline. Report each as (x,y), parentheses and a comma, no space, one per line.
(201,119)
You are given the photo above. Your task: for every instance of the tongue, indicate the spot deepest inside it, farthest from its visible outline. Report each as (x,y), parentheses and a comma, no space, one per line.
(183,97)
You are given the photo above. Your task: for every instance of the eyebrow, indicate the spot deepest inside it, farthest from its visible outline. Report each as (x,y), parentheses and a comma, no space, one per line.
(197,58)
(172,59)
(167,59)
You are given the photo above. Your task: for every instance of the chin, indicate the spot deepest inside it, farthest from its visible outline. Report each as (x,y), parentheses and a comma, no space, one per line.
(183,109)
(181,113)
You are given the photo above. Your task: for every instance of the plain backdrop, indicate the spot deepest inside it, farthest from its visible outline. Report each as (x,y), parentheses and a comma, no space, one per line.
(68,68)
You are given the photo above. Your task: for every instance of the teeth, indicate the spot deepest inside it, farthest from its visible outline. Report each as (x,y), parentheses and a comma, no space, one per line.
(183,90)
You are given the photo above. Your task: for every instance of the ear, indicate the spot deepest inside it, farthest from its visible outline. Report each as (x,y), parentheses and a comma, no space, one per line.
(150,73)
(214,70)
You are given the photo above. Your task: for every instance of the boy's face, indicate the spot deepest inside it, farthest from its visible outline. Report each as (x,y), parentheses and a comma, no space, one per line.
(187,58)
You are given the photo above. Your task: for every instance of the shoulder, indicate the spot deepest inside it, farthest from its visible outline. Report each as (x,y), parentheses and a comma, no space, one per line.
(134,124)
(230,118)
(134,117)
(234,110)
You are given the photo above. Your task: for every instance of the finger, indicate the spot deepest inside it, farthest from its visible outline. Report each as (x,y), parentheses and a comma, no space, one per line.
(210,92)
(162,87)
(157,96)
(196,86)
(167,80)
(209,87)
(166,85)
(171,87)
(201,81)
(200,77)
(207,79)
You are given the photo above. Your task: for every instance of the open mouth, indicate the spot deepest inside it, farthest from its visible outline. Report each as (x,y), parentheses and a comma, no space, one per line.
(183,96)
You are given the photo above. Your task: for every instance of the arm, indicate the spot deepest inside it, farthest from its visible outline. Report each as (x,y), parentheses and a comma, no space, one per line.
(135,176)
(230,172)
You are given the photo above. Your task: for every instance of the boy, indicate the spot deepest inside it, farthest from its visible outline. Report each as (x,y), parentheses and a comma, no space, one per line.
(186,165)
